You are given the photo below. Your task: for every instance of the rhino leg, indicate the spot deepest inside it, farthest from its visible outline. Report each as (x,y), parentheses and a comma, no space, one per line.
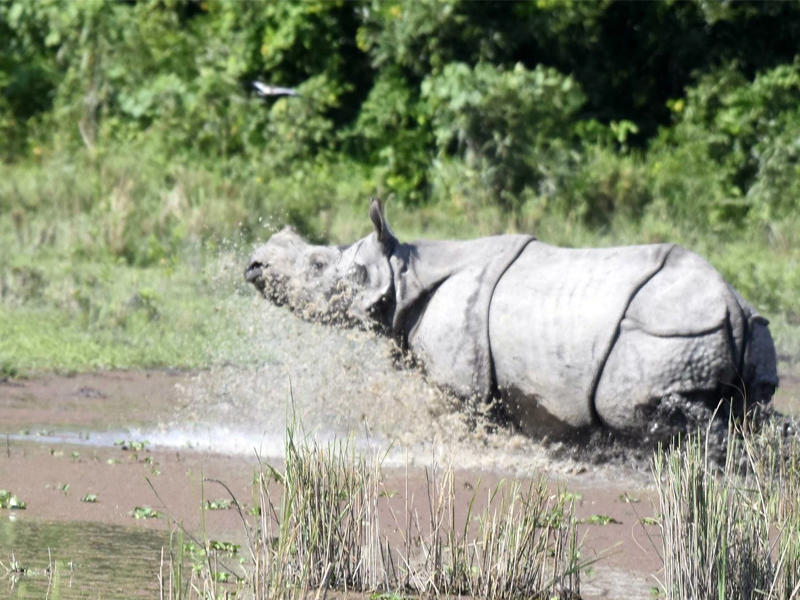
(658,385)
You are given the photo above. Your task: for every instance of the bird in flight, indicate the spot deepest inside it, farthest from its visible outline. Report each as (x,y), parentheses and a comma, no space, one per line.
(265,90)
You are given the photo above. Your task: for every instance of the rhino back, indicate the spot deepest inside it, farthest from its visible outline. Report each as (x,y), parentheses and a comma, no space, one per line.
(553,318)
(687,297)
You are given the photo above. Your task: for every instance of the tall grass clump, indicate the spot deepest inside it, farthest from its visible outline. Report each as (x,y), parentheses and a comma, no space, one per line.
(328,522)
(523,544)
(731,530)
(196,570)
(773,458)
(321,530)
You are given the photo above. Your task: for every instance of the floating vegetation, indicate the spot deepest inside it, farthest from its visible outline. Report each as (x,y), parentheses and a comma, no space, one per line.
(11,501)
(600,520)
(145,512)
(228,548)
(133,445)
(221,504)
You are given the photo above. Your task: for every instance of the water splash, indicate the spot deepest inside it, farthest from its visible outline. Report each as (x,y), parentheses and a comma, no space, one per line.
(337,383)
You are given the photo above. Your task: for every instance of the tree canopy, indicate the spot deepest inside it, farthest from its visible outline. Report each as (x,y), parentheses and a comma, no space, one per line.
(685,109)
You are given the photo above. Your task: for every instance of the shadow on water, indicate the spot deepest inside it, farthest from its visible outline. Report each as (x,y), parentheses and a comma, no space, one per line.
(78,560)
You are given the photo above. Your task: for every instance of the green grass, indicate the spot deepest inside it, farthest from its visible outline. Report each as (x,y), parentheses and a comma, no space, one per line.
(126,262)
(49,338)
(101,313)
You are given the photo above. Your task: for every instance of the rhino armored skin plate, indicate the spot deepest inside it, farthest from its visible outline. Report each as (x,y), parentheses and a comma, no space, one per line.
(637,339)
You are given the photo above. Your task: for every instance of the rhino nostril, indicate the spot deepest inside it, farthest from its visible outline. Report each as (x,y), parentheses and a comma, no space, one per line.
(253,271)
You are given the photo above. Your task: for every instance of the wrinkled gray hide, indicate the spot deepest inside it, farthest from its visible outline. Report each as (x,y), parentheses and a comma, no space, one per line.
(567,337)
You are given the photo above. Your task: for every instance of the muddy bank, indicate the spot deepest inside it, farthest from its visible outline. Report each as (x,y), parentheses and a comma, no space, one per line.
(58,446)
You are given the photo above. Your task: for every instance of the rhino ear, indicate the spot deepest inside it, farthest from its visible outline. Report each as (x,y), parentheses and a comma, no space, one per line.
(382,230)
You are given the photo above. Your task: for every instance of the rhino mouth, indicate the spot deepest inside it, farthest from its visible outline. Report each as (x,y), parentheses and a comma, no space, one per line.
(254,273)
(270,285)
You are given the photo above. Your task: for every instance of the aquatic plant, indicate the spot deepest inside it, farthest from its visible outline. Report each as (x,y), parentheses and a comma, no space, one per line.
(10,501)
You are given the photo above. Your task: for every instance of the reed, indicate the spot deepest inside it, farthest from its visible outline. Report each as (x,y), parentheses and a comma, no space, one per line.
(731,530)
(523,544)
(320,529)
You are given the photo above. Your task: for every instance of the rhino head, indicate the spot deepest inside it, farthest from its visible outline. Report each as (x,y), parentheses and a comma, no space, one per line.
(431,296)
(350,285)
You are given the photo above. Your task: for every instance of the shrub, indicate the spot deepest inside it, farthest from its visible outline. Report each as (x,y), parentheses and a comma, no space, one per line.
(511,127)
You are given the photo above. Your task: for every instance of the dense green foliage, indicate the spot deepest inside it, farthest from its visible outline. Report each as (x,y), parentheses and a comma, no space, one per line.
(129,129)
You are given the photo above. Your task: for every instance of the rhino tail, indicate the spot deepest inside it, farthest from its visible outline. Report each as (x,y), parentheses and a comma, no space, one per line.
(759,361)
(760,368)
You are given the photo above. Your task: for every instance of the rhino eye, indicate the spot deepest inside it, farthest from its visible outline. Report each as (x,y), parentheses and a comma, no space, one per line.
(317,264)
(358,274)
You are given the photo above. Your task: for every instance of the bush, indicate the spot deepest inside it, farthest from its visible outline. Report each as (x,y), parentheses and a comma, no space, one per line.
(731,159)
(512,128)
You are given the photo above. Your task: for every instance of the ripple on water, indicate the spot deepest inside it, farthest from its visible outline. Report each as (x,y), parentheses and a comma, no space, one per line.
(84,558)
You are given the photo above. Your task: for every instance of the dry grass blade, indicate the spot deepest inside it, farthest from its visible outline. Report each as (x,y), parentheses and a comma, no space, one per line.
(731,530)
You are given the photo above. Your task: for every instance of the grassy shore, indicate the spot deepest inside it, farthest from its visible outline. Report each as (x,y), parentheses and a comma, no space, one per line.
(122,262)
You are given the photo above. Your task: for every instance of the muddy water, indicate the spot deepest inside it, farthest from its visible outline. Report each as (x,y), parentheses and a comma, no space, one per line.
(80,560)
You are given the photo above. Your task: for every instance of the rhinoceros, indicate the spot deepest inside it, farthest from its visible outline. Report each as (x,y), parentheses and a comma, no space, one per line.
(631,338)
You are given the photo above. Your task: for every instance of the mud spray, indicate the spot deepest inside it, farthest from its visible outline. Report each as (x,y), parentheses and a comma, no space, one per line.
(339,383)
